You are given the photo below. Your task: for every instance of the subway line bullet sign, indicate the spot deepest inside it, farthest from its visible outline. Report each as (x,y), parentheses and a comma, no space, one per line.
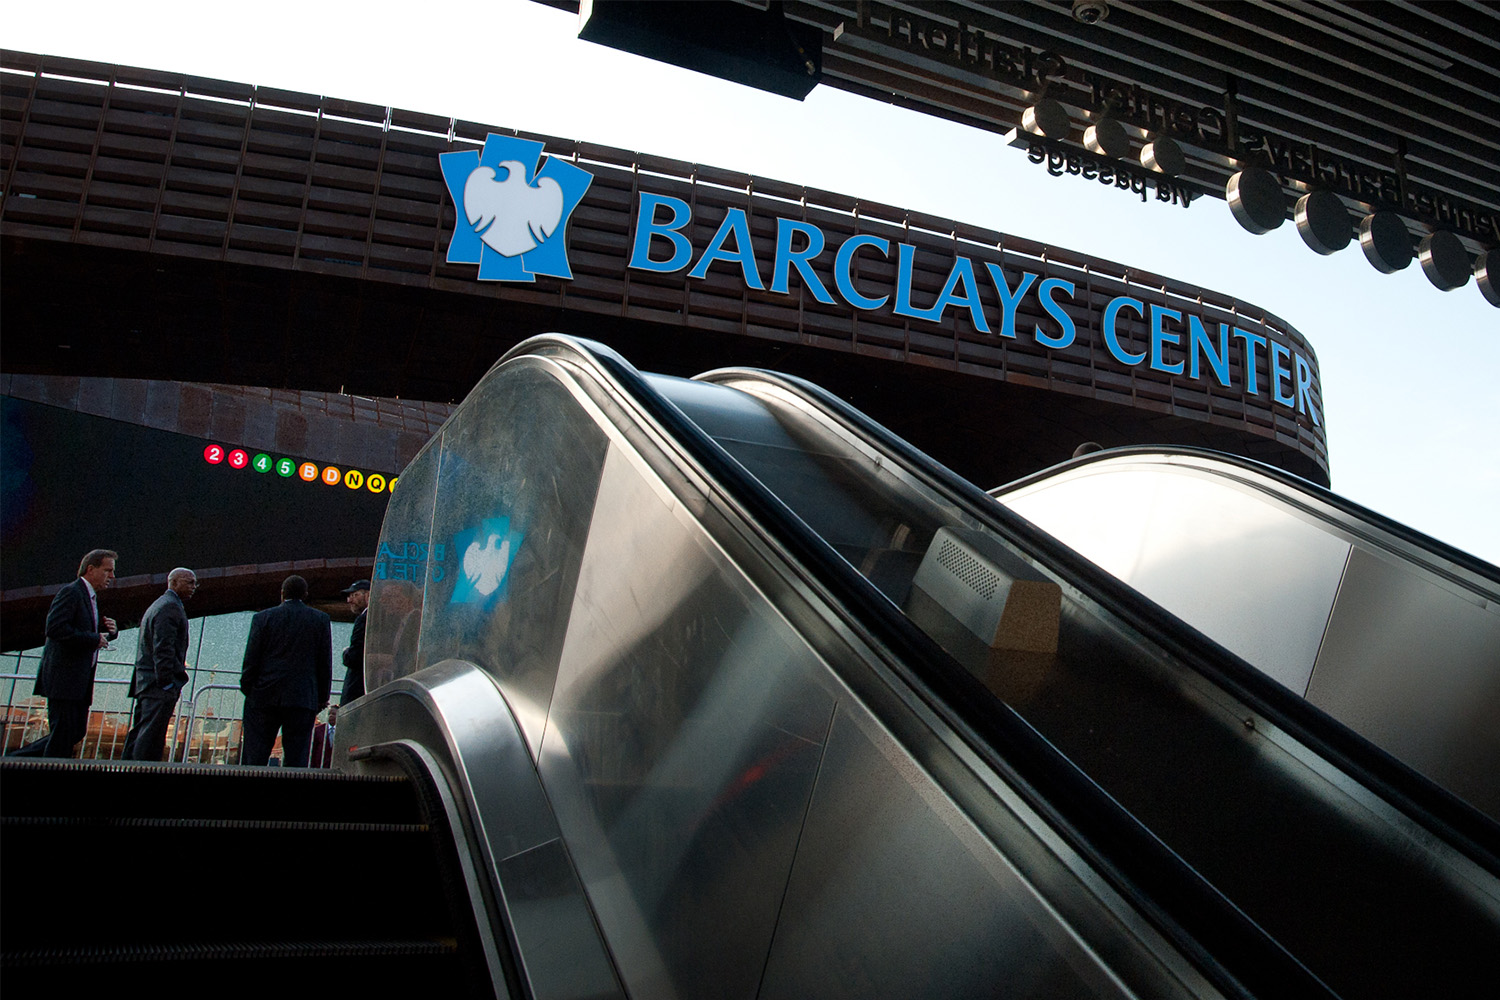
(309,472)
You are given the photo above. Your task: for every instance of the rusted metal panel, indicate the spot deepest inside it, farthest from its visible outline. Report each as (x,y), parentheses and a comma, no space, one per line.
(290,181)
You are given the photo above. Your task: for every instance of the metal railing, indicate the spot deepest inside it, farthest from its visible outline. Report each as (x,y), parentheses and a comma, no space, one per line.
(221,732)
(104,724)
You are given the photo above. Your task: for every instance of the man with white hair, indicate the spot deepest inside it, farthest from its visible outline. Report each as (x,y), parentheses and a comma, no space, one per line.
(160,667)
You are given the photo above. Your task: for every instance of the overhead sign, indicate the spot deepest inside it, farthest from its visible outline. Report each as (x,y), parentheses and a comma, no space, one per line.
(1108,171)
(1179,343)
(925,34)
(513,218)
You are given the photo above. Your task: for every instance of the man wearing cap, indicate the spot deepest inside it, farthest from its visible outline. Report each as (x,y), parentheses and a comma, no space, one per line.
(357,596)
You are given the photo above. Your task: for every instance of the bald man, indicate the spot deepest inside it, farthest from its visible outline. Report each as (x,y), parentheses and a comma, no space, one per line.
(160,667)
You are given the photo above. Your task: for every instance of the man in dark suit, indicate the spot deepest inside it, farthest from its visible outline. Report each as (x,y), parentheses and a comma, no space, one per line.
(287,676)
(75,634)
(160,667)
(357,595)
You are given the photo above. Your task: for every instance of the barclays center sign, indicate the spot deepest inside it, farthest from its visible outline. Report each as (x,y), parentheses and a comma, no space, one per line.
(514,206)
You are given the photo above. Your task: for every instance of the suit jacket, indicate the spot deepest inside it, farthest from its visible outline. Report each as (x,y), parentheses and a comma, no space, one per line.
(159,653)
(289,657)
(354,661)
(70,654)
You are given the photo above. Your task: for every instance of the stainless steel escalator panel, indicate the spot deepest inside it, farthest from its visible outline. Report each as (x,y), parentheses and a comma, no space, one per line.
(555,928)
(1257,578)
(678,740)
(1333,872)
(518,470)
(683,738)
(685,735)
(456,714)
(880,830)
(1391,631)
(685,667)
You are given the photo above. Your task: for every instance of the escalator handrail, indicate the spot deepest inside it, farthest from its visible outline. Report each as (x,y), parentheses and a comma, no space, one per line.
(1225,944)
(1422,800)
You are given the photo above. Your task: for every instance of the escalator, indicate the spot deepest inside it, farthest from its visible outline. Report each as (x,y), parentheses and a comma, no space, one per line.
(714,688)
(1392,633)
(743,697)
(235,881)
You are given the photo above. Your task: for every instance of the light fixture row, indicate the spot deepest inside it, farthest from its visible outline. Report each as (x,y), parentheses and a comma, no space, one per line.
(1258,203)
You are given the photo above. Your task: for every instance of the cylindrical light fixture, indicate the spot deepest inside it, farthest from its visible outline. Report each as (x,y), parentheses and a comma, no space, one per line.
(1256,199)
(1046,118)
(1323,222)
(1164,155)
(1444,260)
(1107,137)
(1385,241)
(1487,279)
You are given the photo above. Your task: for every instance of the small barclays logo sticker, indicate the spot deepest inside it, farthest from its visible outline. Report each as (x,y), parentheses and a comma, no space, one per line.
(513,217)
(488,553)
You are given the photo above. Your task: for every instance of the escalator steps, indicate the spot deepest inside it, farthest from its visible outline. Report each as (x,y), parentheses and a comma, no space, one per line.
(122,869)
(258,951)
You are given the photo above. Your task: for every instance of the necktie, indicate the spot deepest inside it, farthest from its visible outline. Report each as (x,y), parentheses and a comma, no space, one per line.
(94,609)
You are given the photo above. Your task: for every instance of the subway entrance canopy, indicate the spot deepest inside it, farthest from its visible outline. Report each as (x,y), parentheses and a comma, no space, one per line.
(1377,122)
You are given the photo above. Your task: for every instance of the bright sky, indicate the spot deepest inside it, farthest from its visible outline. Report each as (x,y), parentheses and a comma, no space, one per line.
(1409,373)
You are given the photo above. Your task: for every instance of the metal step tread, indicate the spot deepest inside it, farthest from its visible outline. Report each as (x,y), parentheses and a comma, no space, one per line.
(233,951)
(189,823)
(227,771)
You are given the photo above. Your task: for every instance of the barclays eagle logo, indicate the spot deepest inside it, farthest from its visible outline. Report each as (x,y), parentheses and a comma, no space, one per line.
(489,551)
(513,210)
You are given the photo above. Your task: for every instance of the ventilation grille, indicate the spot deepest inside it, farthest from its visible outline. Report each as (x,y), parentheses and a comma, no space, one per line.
(971,571)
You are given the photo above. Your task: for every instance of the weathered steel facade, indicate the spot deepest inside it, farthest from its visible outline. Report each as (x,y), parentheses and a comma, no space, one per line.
(161,226)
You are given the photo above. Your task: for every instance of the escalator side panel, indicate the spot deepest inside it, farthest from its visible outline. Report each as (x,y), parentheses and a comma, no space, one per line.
(1366,897)
(688,728)
(681,746)
(514,496)
(481,545)
(1391,629)
(1199,549)
(879,830)
(676,693)
(456,714)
